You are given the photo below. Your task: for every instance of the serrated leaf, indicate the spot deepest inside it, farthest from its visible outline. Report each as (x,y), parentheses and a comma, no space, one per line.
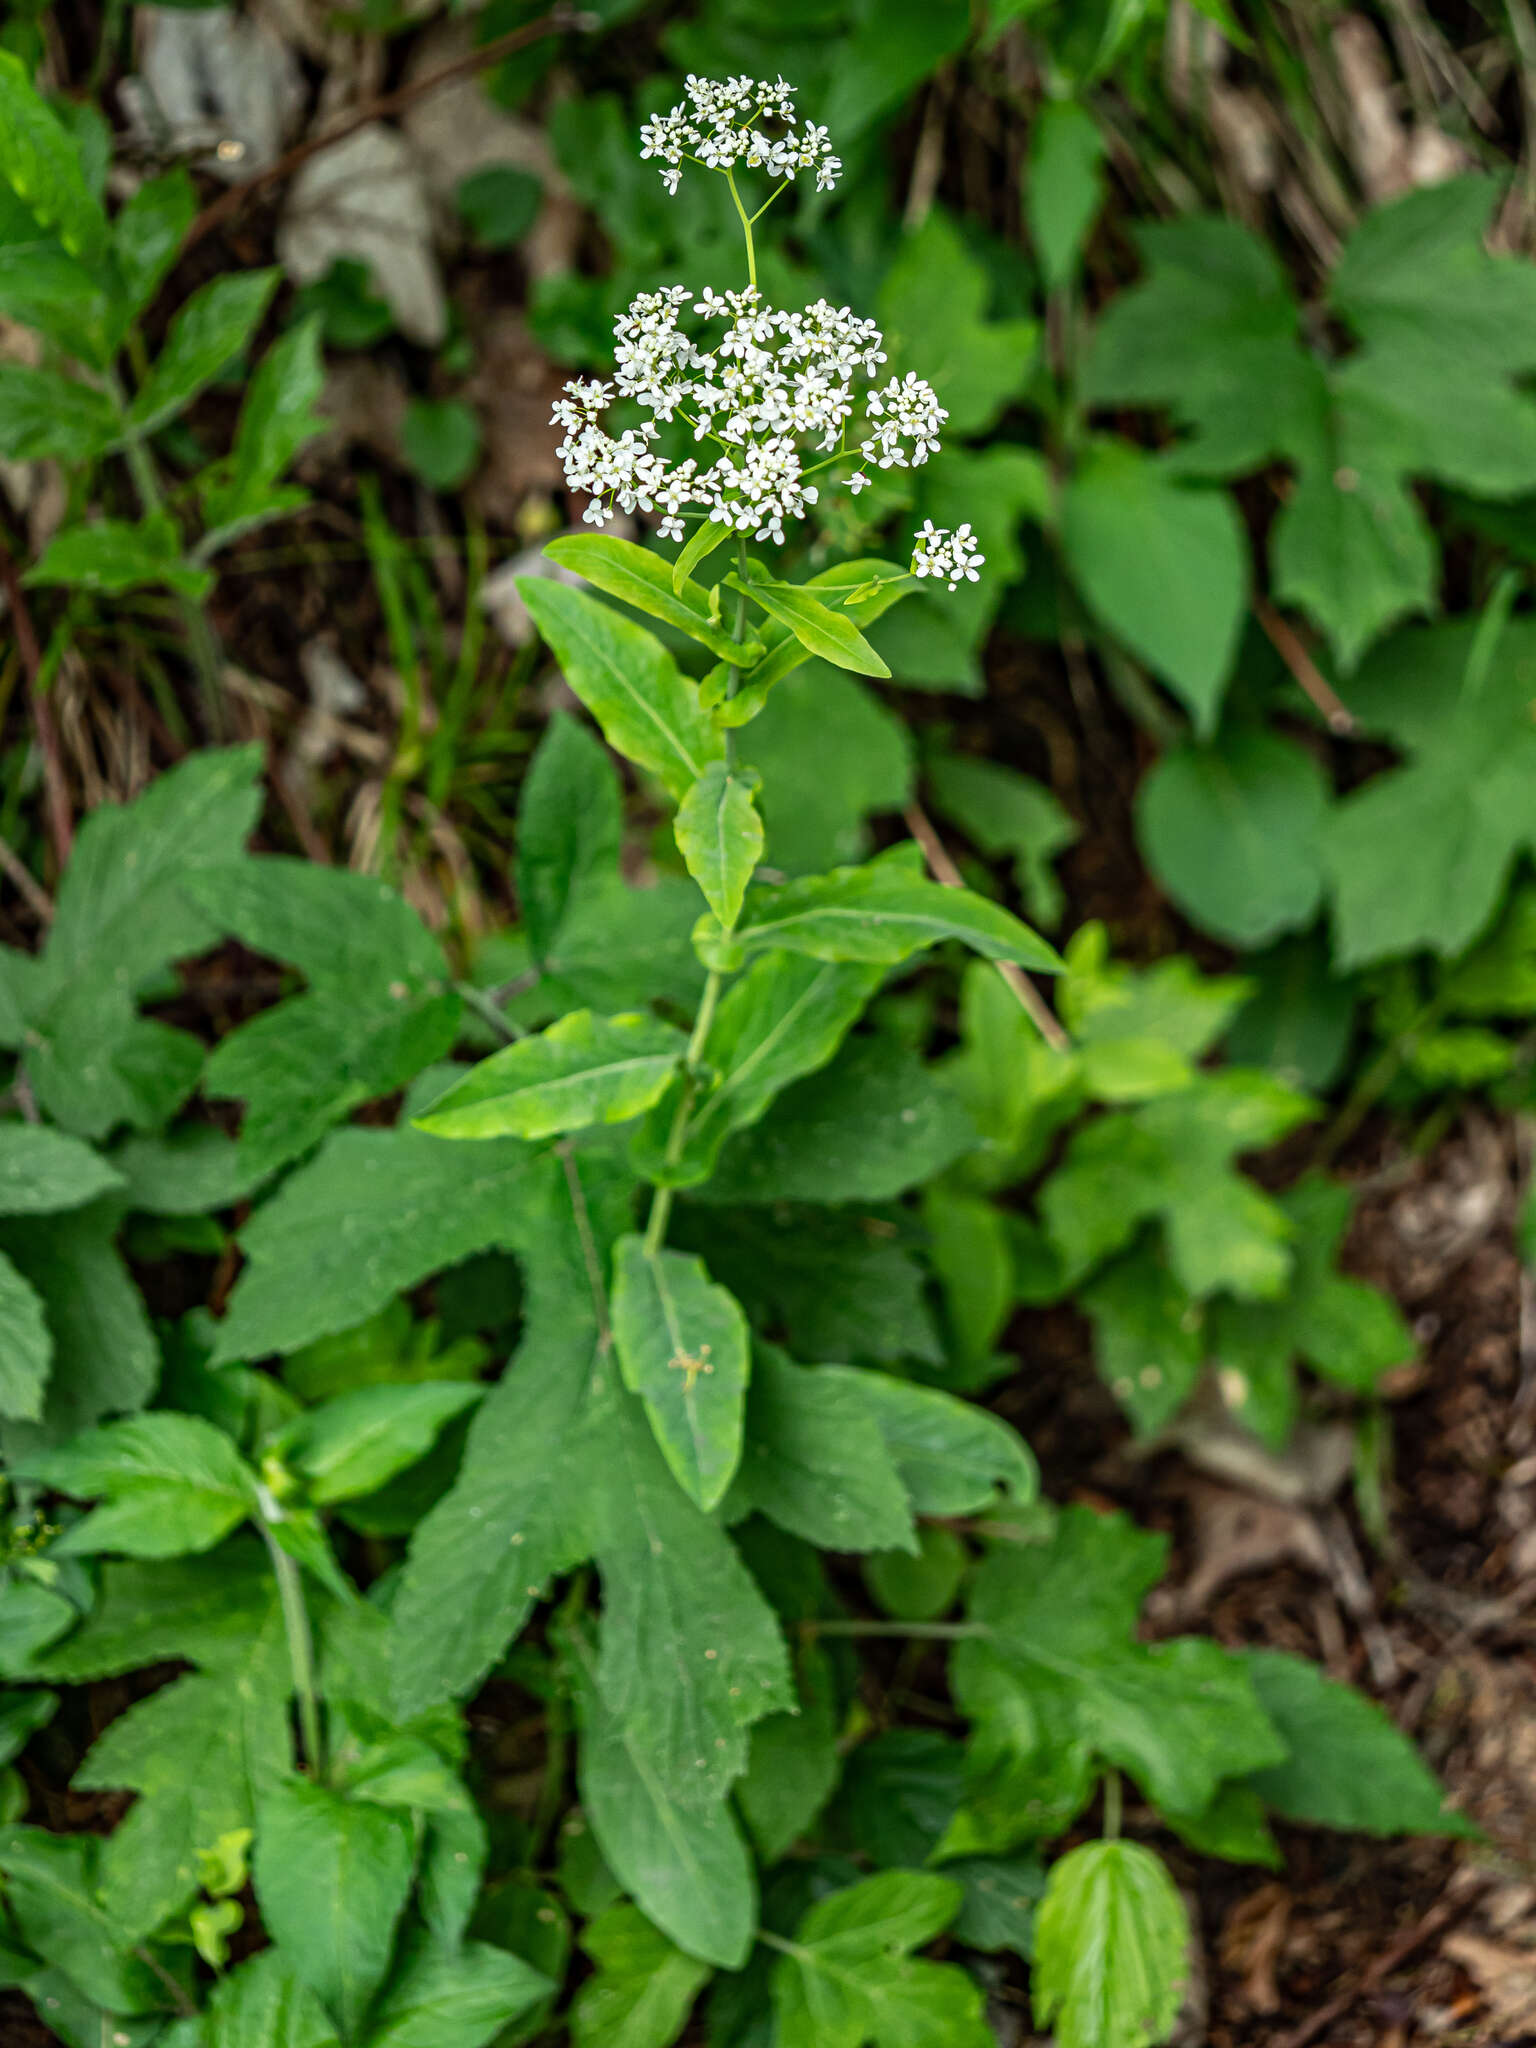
(952,1455)
(582,1070)
(569,826)
(687,1866)
(171,1483)
(794,1762)
(830,635)
(114,555)
(331,1880)
(52,1890)
(371,1215)
(41,163)
(683,1347)
(357,1442)
(44,414)
(1233,833)
(816,1463)
(643,1988)
(720,836)
(849,1977)
(43,1170)
(207,333)
(639,578)
(26,1347)
(264,2003)
(1348,1766)
(883,913)
(453,1999)
(1110,1941)
(629,683)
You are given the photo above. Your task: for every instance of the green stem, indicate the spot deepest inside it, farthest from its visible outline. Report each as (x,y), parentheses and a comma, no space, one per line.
(1112,1805)
(301,1648)
(922,1631)
(746,228)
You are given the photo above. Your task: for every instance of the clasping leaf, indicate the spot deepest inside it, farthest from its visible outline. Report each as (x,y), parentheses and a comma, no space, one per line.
(820,630)
(720,835)
(635,577)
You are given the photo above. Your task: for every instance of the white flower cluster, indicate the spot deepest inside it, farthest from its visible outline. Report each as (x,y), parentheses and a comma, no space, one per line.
(938,552)
(773,385)
(718,129)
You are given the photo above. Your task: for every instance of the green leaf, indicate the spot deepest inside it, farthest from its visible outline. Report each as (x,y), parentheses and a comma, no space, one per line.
(932,306)
(583,1070)
(1164,567)
(1149,1337)
(331,1881)
(172,1483)
(453,1998)
(687,1866)
(1002,811)
(22,1714)
(643,1989)
(114,555)
(1110,1942)
(26,1347)
(872,1124)
(1063,187)
(1348,1767)
(720,836)
(370,1216)
(816,1462)
(1233,833)
(41,163)
(629,683)
(441,440)
(922,1587)
(849,1977)
(886,584)
(952,1455)
(972,1255)
(52,1895)
(265,2004)
(884,913)
(276,420)
(1358,556)
(569,826)
(147,234)
(43,1170)
(358,1441)
(1001,1897)
(209,331)
(44,414)
(698,547)
(643,580)
(794,1763)
(865,765)
(682,1345)
(821,631)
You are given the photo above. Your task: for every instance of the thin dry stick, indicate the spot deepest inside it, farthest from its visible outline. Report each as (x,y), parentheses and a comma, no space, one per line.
(1304,669)
(26,883)
(1029,998)
(380,109)
(1434,1922)
(60,824)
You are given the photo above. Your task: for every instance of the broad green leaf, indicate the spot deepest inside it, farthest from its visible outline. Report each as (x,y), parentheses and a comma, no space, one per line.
(972,1255)
(643,1989)
(44,414)
(147,233)
(206,1610)
(872,1124)
(105,1358)
(899,1792)
(41,163)
(43,1170)
(358,1441)
(371,1215)
(26,1347)
(1149,1338)
(952,1455)
(583,1070)
(1163,566)
(31,1617)
(687,1866)
(209,331)
(1106,1002)
(1063,186)
(683,1347)
(849,1977)
(21,1715)
(829,634)
(720,836)
(78,2021)
(865,765)
(794,1762)
(276,420)
(331,1880)
(264,2003)
(885,584)
(184,1171)
(1358,557)
(921,1587)
(698,547)
(882,914)
(1004,812)
(1002,1894)
(1348,1766)
(1299,1021)
(52,1893)
(459,1998)
(569,826)
(1232,1828)
(629,683)
(639,578)
(1233,832)
(171,1483)
(1110,1942)
(200,1753)
(785,1017)
(114,555)
(816,1463)
(932,306)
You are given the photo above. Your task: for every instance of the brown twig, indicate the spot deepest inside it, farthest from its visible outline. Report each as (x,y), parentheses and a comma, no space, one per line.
(26,883)
(61,829)
(381,108)
(1308,677)
(1434,1922)
(1029,998)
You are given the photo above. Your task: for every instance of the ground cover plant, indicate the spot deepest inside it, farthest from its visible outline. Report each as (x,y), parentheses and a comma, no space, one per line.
(514,1530)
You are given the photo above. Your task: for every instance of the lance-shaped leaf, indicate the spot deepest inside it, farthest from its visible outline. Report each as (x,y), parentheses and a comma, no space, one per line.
(1110,1940)
(44,414)
(26,1347)
(172,1483)
(570,820)
(212,327)
(636,577)
(700,544)
(40,162)
(629,683)
(583,1070)
(883,913)
(358,1441)
(864,589)
(683,1348)
(720,836)
(819,629)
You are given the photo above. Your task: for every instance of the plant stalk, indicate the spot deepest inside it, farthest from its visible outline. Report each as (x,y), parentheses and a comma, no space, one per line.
(301,1648)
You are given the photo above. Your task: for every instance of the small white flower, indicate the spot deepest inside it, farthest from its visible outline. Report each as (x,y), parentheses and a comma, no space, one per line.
(938,552)
(671,528)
